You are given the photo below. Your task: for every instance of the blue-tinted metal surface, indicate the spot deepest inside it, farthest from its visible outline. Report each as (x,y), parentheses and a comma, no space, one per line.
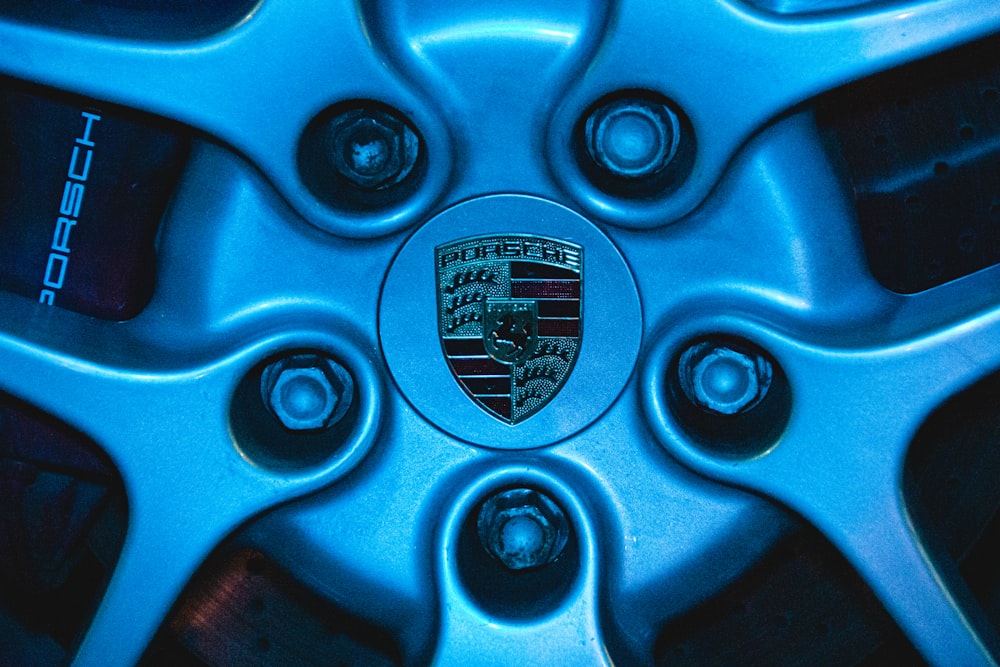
(759,241)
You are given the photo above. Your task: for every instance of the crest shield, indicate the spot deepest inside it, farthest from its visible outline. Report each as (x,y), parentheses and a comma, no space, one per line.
(510,319)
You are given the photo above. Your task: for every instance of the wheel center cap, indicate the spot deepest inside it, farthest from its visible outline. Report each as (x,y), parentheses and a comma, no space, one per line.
(510,321)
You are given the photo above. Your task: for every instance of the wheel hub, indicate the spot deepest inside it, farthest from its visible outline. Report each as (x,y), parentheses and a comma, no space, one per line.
(518,337)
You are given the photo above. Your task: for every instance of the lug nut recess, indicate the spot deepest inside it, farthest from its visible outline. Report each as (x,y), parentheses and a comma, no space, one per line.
(522,528)
(306,392)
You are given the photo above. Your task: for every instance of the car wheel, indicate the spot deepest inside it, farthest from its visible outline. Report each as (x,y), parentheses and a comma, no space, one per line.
(593,333)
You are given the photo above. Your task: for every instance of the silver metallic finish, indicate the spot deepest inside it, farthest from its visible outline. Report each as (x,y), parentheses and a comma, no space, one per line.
(373,149)
(724,380)
(522,528)
(633,138)
(307,392)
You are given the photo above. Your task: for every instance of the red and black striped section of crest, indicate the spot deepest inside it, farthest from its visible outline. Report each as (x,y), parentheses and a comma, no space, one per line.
(486,380)
(557,293)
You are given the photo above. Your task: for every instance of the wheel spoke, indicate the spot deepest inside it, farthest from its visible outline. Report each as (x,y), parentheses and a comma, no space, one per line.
(733,70)
(922,373)
(781,228)
(470,633)
(963,305)
(552,41)
(163,547)
(338,537)
(572,637)
(248,262)
(845,477)
(187,485)
(671,525)
(840,465)
(146,421)
(927,598)
(851,493)
(224,85)
(799,58)
(67,382)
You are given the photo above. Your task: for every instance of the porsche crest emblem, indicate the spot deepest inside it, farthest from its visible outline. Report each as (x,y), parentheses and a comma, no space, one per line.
(510,319)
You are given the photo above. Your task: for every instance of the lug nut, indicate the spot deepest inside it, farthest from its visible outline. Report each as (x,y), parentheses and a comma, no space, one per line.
(371,148)
(632,138)
(522,528)
(306,392)
(724,379)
